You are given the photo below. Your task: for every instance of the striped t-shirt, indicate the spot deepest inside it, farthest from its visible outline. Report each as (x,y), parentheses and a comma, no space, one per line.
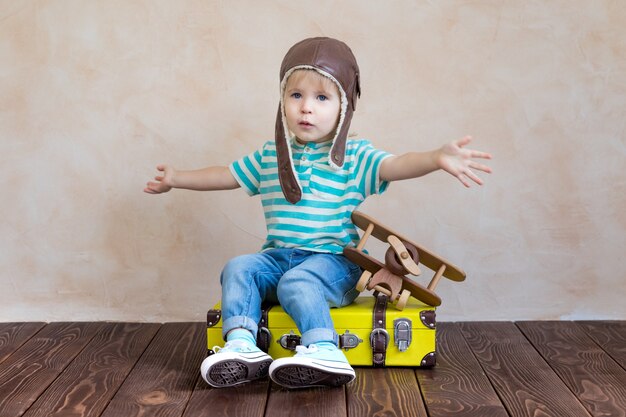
(320,221)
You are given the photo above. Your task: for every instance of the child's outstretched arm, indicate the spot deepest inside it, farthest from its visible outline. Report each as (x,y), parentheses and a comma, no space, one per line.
(206,179)
(451,157)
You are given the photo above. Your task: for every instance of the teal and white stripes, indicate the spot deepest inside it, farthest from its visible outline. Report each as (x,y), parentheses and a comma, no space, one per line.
(320,221)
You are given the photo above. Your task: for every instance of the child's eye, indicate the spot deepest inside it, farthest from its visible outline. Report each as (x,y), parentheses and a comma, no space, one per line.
(322,97)
(296,95)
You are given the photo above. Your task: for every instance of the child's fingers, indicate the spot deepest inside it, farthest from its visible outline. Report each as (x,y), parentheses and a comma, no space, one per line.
(480,167)
(461,177)
(474,177)
(464,141)
(468,175)
(159,178)
(479,154)
(153,185)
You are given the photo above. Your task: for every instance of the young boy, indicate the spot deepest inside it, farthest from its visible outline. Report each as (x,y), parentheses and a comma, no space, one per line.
(310,179)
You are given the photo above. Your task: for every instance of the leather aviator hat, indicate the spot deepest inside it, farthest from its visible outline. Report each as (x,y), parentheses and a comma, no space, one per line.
(333,59)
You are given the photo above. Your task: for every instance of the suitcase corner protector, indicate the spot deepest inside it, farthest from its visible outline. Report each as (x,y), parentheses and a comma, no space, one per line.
(213,317)
(428,318)
(429,360)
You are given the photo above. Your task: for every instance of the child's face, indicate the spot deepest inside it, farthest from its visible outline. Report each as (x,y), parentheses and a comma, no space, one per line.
(312,104)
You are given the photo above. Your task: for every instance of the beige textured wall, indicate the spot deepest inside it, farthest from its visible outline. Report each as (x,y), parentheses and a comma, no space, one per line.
(93,94)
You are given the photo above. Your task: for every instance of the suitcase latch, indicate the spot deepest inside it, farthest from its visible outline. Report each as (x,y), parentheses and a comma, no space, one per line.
(289,341)
(402,333)
(349,340)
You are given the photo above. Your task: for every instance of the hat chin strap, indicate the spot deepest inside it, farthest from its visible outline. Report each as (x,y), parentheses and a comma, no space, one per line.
(337,154)
(286,170)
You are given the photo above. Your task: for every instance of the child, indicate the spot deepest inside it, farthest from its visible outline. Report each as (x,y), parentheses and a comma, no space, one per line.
(310,179)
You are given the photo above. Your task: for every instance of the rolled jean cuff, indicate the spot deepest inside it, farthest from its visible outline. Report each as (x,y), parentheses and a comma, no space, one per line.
(319,335)
(239,322)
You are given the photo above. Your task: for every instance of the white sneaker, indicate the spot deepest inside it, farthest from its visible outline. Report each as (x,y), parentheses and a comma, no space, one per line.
(316,365)
(237,362)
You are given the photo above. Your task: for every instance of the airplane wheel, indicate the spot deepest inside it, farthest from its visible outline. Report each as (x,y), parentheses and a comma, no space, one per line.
(403,299)
(363,281)
(393,263)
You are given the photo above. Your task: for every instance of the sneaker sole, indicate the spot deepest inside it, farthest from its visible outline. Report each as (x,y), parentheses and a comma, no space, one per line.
(235,370)
(304,376)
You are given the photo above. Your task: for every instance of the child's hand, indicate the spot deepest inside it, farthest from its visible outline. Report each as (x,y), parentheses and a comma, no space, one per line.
(459,162)
(162,183)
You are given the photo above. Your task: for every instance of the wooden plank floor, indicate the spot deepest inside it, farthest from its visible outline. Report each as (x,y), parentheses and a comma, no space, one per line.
(561,369)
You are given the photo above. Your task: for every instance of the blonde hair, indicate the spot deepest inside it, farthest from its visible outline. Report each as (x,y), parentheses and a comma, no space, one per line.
(299,74)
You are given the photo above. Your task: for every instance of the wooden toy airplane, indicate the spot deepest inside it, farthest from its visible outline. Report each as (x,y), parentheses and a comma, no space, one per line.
(403,257)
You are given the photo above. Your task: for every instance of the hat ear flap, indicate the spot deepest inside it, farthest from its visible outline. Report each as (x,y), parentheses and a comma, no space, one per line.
(338,150)
(286,172)
(356,91)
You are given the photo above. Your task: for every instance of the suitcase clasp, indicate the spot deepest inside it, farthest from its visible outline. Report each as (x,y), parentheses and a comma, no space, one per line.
(402,333)
(289,341)
(349,340)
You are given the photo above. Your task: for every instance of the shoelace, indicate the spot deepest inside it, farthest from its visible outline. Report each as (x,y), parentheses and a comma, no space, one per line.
(303,350)
(233,344)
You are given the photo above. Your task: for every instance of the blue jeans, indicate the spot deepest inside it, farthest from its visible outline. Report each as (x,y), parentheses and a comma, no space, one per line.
(306,284)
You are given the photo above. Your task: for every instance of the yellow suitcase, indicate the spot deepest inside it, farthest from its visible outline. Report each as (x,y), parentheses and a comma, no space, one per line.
(372,332)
